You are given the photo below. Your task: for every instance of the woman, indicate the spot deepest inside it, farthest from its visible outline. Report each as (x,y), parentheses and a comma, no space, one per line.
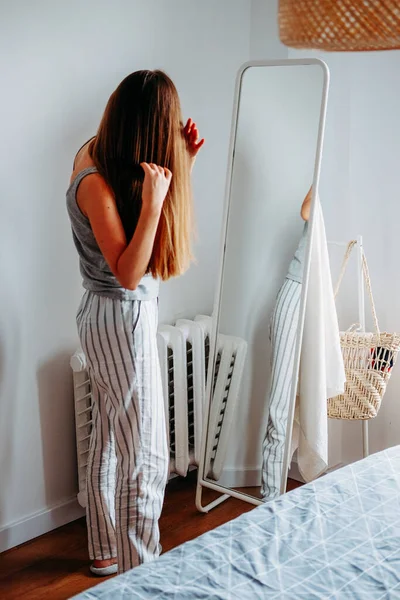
(284,323)
(129,204)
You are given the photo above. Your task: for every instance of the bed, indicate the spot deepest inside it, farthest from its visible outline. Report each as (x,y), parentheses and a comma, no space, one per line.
(338,537)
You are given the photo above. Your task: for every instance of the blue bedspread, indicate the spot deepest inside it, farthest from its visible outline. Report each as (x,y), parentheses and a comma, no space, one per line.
(338,537)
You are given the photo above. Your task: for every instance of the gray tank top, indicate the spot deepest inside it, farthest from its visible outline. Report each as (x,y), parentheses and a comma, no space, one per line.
(96,274)
(296,267)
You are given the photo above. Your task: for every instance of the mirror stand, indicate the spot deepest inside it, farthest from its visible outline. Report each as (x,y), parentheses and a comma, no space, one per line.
(225,494)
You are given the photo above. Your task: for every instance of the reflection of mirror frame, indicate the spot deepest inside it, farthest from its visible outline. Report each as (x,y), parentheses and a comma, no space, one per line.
(201,480)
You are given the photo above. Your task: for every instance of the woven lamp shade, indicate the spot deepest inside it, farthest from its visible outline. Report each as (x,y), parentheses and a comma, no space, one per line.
(340,25)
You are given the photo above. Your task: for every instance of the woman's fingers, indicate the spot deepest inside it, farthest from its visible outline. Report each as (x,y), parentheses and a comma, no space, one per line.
(199,144)
(191,130)
(156,169)
(146,168)
(192,136)
(167,173)
(153,170)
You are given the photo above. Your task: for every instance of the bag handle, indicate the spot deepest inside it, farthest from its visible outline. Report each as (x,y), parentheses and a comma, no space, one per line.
(353,328)
(366,276)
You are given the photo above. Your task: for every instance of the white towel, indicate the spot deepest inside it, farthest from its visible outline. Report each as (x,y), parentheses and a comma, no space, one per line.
(321,373)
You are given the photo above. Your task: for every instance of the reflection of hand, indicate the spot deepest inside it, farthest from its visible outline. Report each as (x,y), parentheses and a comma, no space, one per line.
(306,206)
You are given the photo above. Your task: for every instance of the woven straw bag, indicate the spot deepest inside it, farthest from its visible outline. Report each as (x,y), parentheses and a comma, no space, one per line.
(368,360)
(340,25)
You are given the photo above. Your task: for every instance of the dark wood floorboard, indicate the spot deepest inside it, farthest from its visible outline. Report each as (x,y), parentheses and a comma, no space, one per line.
(56,565)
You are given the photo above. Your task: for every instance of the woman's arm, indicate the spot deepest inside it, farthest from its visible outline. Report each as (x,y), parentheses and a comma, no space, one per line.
(128,262)
(306,206)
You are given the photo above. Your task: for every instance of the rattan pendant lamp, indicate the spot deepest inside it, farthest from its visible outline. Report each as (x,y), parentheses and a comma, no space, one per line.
(340,25)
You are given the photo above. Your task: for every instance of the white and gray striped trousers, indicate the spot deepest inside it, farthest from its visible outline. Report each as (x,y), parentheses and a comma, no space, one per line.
(283,335)
(128,457)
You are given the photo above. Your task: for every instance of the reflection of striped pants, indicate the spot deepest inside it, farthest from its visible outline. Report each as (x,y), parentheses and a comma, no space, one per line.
(283,335)
(128,457)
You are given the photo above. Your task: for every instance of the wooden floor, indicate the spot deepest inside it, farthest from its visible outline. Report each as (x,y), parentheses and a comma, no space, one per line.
(55,566)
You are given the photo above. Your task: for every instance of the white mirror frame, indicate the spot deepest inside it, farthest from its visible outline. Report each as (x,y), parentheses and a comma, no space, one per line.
(201,481)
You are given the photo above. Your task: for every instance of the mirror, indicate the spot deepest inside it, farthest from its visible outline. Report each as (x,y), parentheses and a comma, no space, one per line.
(275,154)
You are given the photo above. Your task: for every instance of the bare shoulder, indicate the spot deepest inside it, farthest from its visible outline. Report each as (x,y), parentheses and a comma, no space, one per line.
(93,191)
(94,194)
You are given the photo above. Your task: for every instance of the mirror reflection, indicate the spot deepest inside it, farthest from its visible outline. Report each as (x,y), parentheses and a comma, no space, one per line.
(255,375)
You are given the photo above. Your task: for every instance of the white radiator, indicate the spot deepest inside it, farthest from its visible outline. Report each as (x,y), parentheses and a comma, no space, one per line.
(184,355)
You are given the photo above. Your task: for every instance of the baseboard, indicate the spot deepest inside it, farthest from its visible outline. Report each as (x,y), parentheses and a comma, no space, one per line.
(26,529)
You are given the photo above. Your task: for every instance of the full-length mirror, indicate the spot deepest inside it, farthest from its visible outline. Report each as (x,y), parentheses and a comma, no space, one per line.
(260,307)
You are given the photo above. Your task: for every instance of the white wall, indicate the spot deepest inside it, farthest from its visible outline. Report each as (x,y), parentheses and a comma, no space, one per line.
(359,192)
(59,62)
(264,36)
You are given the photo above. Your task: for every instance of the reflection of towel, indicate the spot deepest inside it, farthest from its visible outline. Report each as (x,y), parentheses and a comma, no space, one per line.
(322,373)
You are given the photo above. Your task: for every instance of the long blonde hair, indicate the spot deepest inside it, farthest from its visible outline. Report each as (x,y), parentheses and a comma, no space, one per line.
(142,123)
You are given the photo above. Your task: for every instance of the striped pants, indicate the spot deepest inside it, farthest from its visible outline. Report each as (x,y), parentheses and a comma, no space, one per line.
(128,456)
(283,335)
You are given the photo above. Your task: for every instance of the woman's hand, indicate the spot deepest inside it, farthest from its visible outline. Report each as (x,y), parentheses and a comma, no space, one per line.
(155,186)
(193,141)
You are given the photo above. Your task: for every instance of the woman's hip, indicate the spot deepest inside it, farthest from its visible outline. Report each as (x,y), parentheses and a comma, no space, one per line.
(116,328)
